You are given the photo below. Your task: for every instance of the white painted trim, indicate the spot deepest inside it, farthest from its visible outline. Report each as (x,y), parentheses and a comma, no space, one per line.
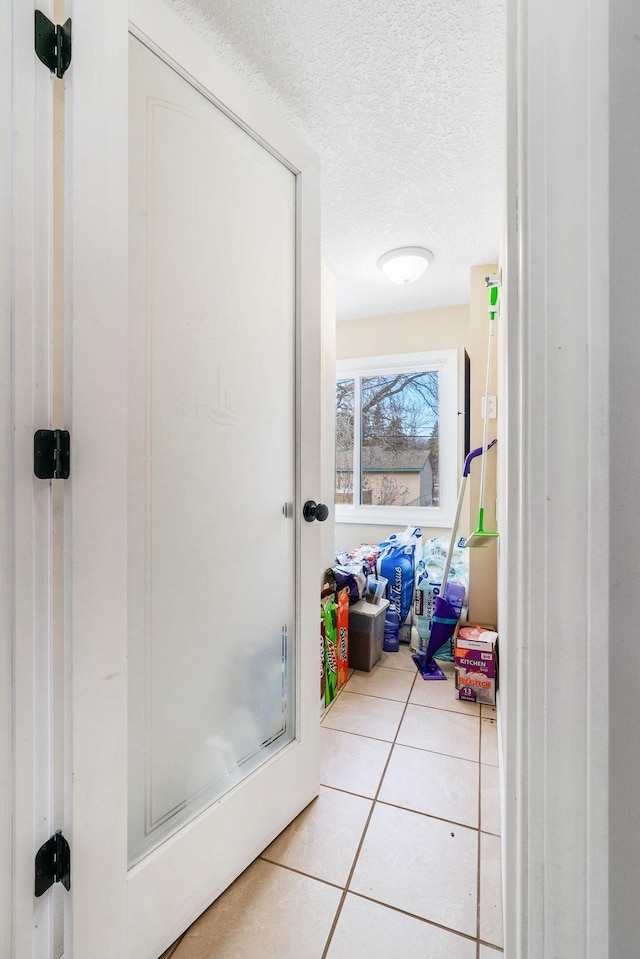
(624,573)
(328,414)
(511,701)
(554,556)
(6,499)
(394,362)
(95,615)
(27,585)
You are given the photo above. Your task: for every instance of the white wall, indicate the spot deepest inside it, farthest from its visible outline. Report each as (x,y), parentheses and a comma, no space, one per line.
(6,538)
(557,636)
(327,413)
(624,574)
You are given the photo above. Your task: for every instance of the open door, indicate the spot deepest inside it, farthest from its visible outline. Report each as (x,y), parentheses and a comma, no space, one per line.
(191,575)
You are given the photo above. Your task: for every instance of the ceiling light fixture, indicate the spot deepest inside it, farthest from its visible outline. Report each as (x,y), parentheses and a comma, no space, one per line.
(405,264)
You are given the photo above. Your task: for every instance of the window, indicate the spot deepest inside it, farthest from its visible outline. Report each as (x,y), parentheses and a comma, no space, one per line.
(397,439)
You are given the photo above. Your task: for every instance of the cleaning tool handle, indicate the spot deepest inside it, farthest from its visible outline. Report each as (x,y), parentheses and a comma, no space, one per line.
(472,455)
(485,431)
(465,472)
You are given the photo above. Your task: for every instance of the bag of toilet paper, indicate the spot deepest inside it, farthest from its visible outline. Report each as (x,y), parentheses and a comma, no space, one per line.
(396,562)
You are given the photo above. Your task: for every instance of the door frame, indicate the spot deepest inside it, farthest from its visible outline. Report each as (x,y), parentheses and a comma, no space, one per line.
(97,108)
(98,154)
(6,497)
(27,657)
(554,487)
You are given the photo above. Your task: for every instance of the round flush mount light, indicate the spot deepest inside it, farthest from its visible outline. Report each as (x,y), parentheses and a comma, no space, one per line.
(406,264)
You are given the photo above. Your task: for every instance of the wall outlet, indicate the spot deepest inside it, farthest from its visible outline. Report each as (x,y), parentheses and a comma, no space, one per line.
(493,403)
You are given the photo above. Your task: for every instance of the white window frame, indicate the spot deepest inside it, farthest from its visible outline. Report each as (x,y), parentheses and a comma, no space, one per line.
(446,363)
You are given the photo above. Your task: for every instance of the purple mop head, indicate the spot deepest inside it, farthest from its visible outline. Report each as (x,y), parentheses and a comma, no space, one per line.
(443,624)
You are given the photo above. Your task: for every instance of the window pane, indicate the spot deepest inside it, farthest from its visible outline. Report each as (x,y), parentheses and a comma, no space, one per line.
(345,400)
(399,458)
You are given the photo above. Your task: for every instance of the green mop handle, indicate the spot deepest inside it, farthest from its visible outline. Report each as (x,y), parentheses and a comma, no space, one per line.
(485,429)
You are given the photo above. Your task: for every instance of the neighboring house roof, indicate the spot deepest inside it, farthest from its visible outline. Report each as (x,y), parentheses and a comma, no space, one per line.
(376,459)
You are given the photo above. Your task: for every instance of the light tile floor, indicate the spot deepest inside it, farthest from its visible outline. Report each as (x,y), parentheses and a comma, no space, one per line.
(400,853)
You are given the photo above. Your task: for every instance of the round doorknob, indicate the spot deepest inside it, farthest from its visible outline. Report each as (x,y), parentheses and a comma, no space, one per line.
(312,510)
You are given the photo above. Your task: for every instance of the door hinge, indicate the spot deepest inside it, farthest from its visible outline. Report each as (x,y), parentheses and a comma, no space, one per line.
(51,454)
(53,863)
(53,43)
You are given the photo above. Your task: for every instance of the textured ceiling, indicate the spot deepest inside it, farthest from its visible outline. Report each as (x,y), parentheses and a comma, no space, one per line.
(403,101)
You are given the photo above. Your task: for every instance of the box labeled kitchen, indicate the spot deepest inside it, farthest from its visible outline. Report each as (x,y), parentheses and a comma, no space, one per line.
(476,664)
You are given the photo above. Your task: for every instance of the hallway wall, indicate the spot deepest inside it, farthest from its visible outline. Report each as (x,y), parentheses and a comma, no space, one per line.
(6,536)
(624,663)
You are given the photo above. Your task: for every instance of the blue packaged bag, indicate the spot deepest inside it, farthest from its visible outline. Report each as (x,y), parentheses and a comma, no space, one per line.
(396,562)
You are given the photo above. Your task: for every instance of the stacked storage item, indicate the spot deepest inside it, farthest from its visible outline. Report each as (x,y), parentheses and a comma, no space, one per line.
(334,638)
(366,633)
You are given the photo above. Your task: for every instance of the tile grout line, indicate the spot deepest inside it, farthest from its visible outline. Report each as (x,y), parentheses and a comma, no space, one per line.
(441,709)
(299,872)
(334,885)
(413,915)
(436,752)
(365,830)
(395,805)
(387,699)
(174,949)
(420,749)
(361,735)
(393,743)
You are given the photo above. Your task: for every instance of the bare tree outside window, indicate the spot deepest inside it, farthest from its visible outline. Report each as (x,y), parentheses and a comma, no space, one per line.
(399,453)
(345,413)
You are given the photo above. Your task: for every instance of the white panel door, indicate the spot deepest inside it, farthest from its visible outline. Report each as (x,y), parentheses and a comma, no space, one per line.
(211,452)
(193,577)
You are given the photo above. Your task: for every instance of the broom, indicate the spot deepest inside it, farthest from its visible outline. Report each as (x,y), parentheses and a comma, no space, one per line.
(482,537)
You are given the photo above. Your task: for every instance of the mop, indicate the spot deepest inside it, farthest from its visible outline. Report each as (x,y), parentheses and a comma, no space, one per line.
(445,616)
(481,537)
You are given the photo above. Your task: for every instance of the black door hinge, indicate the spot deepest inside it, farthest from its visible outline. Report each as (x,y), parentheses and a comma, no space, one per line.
(53,43)
(53,864)
(51,454)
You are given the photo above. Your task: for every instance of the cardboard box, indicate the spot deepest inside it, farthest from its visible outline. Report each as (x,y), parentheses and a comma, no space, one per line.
(476,663)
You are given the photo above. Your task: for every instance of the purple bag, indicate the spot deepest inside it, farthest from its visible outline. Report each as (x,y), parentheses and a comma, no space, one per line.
(353,577)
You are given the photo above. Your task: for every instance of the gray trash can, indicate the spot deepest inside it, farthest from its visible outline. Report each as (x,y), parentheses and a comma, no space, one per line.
(366,632)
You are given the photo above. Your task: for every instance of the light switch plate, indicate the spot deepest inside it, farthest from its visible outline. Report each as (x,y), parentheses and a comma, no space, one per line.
(493,403)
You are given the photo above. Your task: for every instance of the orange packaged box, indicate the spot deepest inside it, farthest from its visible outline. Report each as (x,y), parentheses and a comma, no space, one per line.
(342,630)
